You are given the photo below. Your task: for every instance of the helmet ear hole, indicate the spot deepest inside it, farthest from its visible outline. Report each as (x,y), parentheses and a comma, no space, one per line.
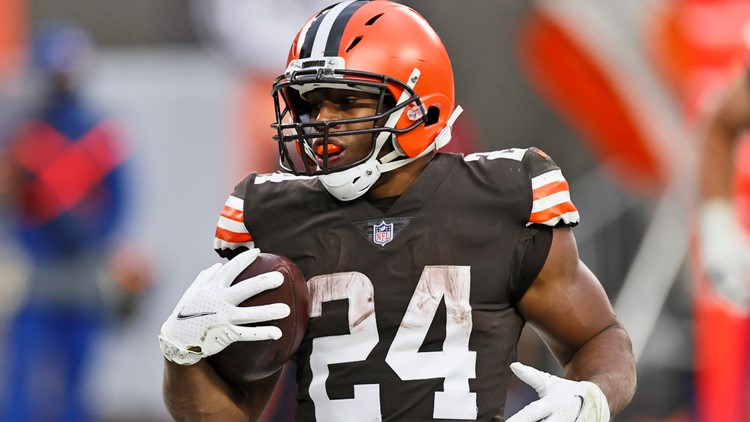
(433,114)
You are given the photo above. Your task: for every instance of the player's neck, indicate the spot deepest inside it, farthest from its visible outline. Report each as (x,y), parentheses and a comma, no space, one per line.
(396,182)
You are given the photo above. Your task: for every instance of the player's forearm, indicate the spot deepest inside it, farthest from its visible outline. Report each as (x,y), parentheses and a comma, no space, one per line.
(607,360)
(196,393)
(716,161)
(720,130)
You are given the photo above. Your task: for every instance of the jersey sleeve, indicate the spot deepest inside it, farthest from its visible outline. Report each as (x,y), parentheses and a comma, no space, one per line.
(232,236)
(533,251)
(552,205)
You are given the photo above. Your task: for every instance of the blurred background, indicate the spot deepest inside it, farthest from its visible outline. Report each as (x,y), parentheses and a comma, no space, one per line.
(611,90)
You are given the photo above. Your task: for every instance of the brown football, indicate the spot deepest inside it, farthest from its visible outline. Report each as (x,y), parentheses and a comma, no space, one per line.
(245,361)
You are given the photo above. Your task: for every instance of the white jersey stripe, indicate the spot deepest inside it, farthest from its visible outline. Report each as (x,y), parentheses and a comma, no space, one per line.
(278,177)
(512,153)
(231,228)
(547,178)
(550,201)
(235,202)
(231,225)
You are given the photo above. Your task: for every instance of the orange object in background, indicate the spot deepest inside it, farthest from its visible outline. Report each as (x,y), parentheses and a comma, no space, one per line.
(253,148)
(12,36)
(573,78)
(722,337)
(697,45)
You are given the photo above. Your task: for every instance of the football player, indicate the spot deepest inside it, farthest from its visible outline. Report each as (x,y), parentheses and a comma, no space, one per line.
(725,247)
(423,267)
(723,290)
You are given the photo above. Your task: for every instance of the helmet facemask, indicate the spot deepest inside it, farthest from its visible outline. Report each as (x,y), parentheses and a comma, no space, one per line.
(296,134)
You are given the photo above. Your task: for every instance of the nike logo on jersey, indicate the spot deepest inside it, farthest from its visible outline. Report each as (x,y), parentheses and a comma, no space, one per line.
(180,315)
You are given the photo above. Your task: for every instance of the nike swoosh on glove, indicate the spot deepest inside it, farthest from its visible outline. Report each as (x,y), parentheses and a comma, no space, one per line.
(207,318)
(560,400)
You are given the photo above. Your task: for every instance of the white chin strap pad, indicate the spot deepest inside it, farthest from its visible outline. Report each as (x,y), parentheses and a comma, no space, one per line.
(352,183)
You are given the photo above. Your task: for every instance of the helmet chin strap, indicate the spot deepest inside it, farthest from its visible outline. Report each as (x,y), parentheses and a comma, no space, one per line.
(352,183)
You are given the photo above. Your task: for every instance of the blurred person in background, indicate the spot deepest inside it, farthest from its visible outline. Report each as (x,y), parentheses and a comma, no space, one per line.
(702,50)
(725,252)
(724,242)
(63,182)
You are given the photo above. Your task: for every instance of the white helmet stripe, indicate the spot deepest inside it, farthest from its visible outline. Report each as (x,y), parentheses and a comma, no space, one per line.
(321,41)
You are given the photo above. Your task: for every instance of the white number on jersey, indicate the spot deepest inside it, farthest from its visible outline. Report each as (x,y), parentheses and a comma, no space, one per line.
(456,363)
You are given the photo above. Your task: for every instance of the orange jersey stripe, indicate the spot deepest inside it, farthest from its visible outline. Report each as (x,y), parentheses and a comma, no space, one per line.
(233,237)
(550,188)
(233,214)
(550,213)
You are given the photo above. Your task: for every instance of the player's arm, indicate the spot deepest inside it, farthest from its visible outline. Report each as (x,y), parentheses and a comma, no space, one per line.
(207,319)
(570,310)
(197,393)
(720,130)
(724,247)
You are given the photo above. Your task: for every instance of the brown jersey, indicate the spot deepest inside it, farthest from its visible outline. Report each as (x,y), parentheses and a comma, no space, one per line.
(413,312)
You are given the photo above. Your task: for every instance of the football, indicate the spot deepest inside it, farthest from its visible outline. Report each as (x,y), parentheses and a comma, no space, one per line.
(245,361)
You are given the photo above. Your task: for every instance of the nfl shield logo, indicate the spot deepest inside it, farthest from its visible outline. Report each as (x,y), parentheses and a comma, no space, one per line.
(382,233)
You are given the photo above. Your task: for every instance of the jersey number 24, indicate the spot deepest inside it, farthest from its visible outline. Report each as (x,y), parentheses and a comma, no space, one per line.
(455,363)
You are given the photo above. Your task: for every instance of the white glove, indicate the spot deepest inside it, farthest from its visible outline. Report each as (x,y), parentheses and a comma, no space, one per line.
(560,400)
(207,318)
(725,253)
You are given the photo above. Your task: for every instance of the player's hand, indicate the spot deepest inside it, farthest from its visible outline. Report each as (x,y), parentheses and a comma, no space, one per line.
(725,253)
(560,400)
(207,318)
